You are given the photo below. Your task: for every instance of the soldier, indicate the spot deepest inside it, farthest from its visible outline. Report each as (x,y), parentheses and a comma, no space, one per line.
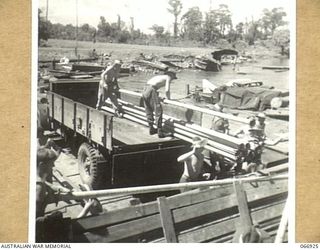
(44,187)
(108,87)
(152,100)
(194,163)
(45,162)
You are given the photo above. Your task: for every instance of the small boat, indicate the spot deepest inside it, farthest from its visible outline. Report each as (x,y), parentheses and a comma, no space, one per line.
(207,64)
(148,64)
(88,59)
(218,54)
(281,113)
(283,68)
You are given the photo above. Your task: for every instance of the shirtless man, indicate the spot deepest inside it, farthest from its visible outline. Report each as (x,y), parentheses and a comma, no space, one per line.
(152,100)
(46,192)
(193,163)
(219,124)
(261,135)
(108,87)
(246,132)
(45,163)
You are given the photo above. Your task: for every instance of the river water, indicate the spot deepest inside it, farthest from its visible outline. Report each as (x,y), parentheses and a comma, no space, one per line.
(247,70)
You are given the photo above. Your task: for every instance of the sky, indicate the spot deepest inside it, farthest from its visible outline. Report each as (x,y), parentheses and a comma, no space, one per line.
(148,12)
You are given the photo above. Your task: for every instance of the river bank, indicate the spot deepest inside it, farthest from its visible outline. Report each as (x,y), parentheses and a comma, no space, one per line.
(127,52)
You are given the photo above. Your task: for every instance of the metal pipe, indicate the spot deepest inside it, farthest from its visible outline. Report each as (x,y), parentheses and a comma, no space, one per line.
(229,138)
(208,147)
(208,111)
(139,117)
(212,145)
(165,187)
(218,148)
(129,117)
(195,108)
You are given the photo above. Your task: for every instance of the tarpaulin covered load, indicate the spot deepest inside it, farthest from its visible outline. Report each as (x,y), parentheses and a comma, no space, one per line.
(255,98)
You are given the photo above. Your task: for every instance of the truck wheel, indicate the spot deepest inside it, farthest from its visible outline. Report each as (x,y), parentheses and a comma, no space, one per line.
(91,166)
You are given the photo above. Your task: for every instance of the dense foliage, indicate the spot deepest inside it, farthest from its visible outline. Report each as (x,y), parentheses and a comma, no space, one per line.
(190,26)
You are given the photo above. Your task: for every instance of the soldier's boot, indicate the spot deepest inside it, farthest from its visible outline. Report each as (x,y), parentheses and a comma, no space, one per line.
(162,134)
(152,130)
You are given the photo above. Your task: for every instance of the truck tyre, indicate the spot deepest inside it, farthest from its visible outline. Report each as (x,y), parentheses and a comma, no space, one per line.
(91,166)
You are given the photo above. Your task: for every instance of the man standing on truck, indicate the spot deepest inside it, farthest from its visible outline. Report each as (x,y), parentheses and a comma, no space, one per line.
(194,163)
(108,87)
(152,101)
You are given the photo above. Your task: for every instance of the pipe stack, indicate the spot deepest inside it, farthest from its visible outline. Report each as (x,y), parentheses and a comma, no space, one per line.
(222,144)
(194,108)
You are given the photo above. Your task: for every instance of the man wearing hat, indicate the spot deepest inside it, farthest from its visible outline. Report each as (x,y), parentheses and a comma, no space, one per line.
(152,101)
(45,162)
(247,130)
(108,87)
(44,187)
(219,124)
(194,162)
(261,117)
(260,131)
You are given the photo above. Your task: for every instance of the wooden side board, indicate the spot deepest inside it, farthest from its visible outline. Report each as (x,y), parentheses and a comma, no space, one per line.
(196,216)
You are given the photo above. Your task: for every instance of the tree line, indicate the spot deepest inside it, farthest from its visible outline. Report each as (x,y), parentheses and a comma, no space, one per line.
(193,25)
(105,31)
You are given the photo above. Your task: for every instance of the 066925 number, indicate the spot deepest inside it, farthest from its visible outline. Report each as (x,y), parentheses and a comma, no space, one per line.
(309,246)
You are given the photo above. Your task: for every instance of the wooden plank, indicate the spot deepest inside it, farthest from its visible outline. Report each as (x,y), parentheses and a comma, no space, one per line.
(226,227)
(109,132)
(245,224)
(166,220)
(245,218)
(74,118)
(57,100)
(181,200)
(96,122)
(124,230)
(51,104)
(125,131)
(182,113)
(283,225)
(277,169)
(272,157)
(267,228)
(81,119)
(62,111)
(125,214)
(149,223)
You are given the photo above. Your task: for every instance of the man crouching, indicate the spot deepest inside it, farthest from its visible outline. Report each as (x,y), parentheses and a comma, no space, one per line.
(108,88)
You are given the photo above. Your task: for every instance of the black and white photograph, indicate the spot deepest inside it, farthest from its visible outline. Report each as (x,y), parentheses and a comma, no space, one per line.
(163,121)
